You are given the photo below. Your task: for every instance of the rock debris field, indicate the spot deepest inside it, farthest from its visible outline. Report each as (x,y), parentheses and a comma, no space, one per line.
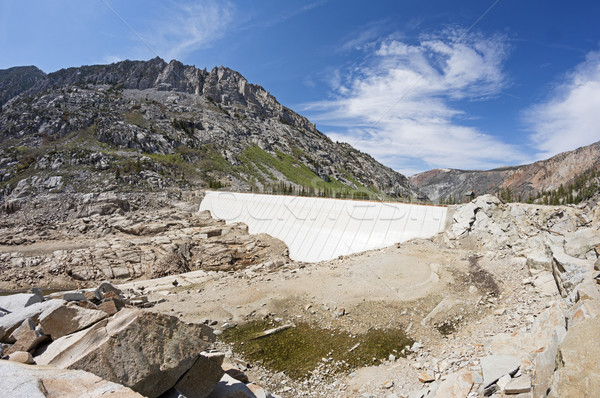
(164,301)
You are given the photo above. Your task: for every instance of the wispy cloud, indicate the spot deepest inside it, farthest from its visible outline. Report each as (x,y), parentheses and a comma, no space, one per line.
(364,39)
(185,27)
(570,118)
(262,23)
(309,7)
(110,59)
(308,81)
(371,35)
(401,105)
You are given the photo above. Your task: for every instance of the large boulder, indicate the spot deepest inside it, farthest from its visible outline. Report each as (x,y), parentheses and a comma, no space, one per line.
(494,367)
(568,271)
(476,223)
(578,373)
(229,387)
(68,318)
(464,217)
(546,325)
(456,385)
(21,357)
(202,377)
(538,259)
(588,290)
(545,284)
(545,364)
(487,202)
(55,352)
(20,380)
(27,337)
(145,351)
(28,324)
(581,242)
(106,287)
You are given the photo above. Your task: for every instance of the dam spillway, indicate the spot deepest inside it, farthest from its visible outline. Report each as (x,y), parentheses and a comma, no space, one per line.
(318,229)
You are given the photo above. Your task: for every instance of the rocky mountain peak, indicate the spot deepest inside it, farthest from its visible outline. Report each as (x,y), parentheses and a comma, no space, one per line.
(221,84)
(14,81)
(171,124)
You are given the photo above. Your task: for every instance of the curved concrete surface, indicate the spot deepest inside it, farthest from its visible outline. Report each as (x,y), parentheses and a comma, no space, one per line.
(317,229)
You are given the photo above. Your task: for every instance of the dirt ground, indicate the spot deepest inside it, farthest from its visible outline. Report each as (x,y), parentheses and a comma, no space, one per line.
(442,298)
(388,275)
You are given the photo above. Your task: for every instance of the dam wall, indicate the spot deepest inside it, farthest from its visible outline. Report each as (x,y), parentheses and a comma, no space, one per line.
(318,229)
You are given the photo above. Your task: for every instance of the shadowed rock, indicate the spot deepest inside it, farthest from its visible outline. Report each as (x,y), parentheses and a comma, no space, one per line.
(147,352)
(10,322)
(16,302)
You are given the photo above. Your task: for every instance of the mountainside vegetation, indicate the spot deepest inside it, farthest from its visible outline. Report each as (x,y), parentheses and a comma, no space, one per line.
(584,188)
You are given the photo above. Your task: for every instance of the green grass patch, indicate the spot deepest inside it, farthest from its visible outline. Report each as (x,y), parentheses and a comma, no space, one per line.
(136,118)
(203,163)
(361,192)
(83,139)
(211,160)
(292,169)
(258,164)
(174,165)
(297,152)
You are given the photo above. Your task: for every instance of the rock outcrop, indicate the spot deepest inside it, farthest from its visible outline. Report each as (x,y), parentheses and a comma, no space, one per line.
(43,382)
(157,236)
(148,352)
(577,373)
(541,234)
(66,319)
(10,322)
(550,358)
(150,125)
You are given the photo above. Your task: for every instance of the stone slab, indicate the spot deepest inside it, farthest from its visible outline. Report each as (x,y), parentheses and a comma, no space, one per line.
(494,367)
(44,382)
(16,302)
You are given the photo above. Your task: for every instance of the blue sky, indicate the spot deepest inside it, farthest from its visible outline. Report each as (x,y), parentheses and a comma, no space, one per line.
(471,84)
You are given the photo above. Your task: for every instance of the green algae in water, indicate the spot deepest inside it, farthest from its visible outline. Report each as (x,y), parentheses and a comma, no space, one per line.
(298,350)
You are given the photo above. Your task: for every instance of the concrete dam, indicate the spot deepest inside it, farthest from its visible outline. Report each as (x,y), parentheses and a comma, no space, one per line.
(318,229)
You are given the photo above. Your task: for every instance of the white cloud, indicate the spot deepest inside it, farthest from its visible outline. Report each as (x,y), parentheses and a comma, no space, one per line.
(186,27)
(398,106)
(571,117)
(363,39)
(111,59)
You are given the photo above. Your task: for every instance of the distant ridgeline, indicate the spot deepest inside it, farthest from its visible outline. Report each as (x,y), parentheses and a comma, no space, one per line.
(569,177)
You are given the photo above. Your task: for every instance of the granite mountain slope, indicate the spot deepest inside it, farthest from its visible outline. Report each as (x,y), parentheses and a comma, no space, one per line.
(524,182)
(138,125)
